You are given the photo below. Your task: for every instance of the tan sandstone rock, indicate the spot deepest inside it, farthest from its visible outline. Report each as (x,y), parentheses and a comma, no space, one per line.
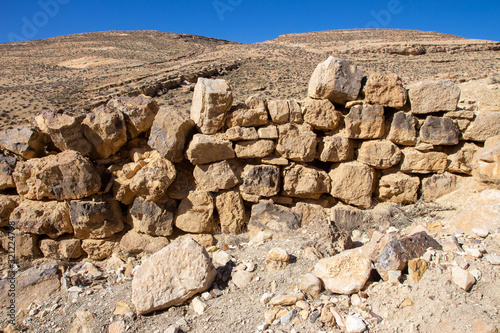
(439,131)
(169,131)
(97,217)
(489,161)
(155,219)
(106,130)
(134,243)
(305,182)
(336,80)
(152,181)
(65,131)
(438,185)
(433,95)
(403,129)
(321,114)
(212,99)
(215,176)
(195,213)
(335,148)
(7,167)
(399,188)
(380,154)
(353,182)
(485,125)
(260,180)
(345,273)
(297,142)
(139,112)
(415,161)
(63,249)
(42,218)
(386,90)
(205,149)
(22,141)
(67,175)
(98,249)
(158,286)
(239,133)
(254,148)
(269,217)
(231,210)
(7,205)
(365,122)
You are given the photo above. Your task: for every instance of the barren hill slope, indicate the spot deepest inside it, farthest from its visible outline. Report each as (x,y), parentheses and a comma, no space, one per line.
(78,71)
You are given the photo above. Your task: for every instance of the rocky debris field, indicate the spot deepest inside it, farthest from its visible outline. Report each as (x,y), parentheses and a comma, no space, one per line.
(428,276)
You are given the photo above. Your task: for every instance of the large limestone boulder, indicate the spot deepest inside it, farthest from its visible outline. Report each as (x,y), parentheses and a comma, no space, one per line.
(433,95)
(260,180)
(345,273)
(212,99)
(155,219)
(152,181)
(169,132)
(380,154)
(67,175)
(385,90)
(7,205)
(139,112)
(305,182)
(399,188)
(157,285)
(321,114)
(336,80)
(22,141)
(485,125)
(353,182)
(277,219)
(297,142)
(97,217)
(365,122)
(489,161)
(49,218)
(195,213)
(403,129)
(415,161)
(204,149)
(106,130)
(439,131)
(231,210)
(254,149)
(215,176)
(7,167)
(65,131)
(438,185)
(335,148)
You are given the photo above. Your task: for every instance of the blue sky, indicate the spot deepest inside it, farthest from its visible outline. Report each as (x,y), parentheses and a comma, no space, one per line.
(245,21)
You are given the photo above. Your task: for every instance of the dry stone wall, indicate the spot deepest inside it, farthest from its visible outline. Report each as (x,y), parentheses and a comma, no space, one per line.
(131,176)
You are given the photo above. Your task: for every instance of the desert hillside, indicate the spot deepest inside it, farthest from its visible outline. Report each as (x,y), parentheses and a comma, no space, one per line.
(76,72)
